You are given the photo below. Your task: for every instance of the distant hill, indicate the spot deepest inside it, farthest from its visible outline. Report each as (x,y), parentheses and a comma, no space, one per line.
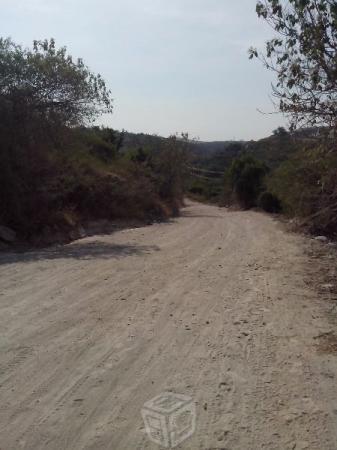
(139,140)
(217,155)
(272,150)
(208,148)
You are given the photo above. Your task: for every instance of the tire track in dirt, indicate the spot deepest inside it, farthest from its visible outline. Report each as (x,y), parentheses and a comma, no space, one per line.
(212,305)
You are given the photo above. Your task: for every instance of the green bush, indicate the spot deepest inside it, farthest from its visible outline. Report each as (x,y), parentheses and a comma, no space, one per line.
(306,186)
(298,182)
(269,202)
(54,166)
(247,176)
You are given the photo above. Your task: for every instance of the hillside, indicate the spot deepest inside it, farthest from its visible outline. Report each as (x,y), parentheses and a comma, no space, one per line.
(217,155)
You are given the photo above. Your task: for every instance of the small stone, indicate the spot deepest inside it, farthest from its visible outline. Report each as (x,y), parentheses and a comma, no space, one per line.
(300,445)
(321,238)
(82,232)
(6,234)
(327,286)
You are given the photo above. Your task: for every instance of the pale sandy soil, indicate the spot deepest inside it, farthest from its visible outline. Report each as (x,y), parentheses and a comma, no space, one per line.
(213,305)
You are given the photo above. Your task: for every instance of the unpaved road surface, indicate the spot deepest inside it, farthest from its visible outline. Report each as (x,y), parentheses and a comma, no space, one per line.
(212,305)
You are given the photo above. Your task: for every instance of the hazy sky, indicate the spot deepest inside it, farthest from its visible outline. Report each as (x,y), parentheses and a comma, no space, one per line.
(172,65)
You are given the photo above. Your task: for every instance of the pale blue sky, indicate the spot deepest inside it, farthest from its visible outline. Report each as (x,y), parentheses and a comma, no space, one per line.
(172,65)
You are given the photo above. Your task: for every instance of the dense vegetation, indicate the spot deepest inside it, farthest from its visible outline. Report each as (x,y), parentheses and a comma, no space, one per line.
(293,171)
(303,54)
(237,172)
(56,169)
(290,172)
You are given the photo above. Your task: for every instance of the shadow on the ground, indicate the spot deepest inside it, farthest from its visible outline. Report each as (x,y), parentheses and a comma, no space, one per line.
(190,215)
(80,250)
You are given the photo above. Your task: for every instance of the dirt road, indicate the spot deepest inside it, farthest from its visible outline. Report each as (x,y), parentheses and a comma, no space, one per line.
(212,305)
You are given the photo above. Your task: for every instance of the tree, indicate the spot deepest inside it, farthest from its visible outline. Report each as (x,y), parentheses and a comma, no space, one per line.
(47,85)
(246,175)
(44,93)
(169,163)
(280,132)
(303,54)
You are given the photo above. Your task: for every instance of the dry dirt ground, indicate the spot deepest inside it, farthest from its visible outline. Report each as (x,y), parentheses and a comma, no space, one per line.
(213,305)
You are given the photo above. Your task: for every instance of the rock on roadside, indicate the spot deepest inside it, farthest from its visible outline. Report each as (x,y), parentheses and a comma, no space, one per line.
(321,238)
(6,234)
